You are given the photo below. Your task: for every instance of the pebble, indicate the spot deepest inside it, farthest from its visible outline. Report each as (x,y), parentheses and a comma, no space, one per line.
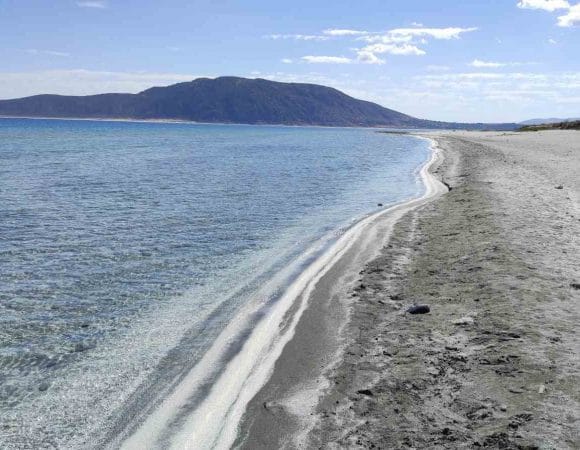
(365,392)
(418,309)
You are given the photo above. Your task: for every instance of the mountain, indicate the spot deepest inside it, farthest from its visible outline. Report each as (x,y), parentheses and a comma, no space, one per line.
(229,100)
(546,121)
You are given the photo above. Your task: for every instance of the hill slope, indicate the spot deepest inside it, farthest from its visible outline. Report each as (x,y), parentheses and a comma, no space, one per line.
(229,100)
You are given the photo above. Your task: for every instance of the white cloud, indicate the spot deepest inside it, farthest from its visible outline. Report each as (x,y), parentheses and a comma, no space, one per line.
(399,41)
(552,41)
(33,51)
(393,49)
(436,33)
(287,60)
(488,64)
(417,24)
(344,32)
(571,18)
(546,5)
(369,58)
(297,37)
(327,59)
(95,4)
(82,82)
(478,63)
(386,38)
(406,41)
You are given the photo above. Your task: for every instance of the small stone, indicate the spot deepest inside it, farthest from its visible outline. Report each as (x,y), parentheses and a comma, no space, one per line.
(379,204)
(560,187)
(43,386)
(541,389)
(365,392)
(419,309)
(503,408)
(82,346)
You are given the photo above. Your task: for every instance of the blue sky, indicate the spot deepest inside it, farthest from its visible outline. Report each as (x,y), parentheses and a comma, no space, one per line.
(492,60)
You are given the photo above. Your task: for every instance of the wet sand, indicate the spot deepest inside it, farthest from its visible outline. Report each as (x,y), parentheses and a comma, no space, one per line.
(495,364)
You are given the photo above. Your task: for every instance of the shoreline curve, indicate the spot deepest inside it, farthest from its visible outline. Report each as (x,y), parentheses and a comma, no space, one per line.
(215,422)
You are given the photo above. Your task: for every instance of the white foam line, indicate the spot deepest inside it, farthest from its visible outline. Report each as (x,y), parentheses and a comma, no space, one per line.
(214,424)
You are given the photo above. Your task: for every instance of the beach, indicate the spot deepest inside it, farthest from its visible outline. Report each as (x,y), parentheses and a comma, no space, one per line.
(495,364)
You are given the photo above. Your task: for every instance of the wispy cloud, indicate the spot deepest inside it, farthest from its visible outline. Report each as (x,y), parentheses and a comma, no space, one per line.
(344,32)
(297,37)
(34,51)
(489,64)
(393,49)
(437,68)
(478,63)
(436,33)
(95,4)
(287,60)
(546,5)
(327,59)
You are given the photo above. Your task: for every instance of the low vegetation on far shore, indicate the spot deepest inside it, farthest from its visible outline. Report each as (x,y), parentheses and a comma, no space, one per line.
(571,125)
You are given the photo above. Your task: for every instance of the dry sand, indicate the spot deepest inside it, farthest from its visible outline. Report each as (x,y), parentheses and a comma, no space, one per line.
(496,364)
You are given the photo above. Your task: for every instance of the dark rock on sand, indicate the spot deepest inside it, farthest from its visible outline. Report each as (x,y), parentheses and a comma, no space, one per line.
(82,346)
(419,309)
(367,392)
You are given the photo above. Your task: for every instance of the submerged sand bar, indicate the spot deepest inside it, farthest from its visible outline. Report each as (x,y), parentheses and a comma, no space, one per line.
(496,364)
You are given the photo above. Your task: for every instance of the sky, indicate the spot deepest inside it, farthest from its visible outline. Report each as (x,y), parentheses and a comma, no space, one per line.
(470,60)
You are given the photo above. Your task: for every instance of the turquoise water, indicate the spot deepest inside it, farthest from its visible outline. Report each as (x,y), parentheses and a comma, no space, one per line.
(125,248)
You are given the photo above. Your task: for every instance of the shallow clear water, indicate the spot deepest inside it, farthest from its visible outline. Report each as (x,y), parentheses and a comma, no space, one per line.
(125,248)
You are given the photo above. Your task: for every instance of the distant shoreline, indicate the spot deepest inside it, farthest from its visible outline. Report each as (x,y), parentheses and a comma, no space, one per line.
(191,122)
